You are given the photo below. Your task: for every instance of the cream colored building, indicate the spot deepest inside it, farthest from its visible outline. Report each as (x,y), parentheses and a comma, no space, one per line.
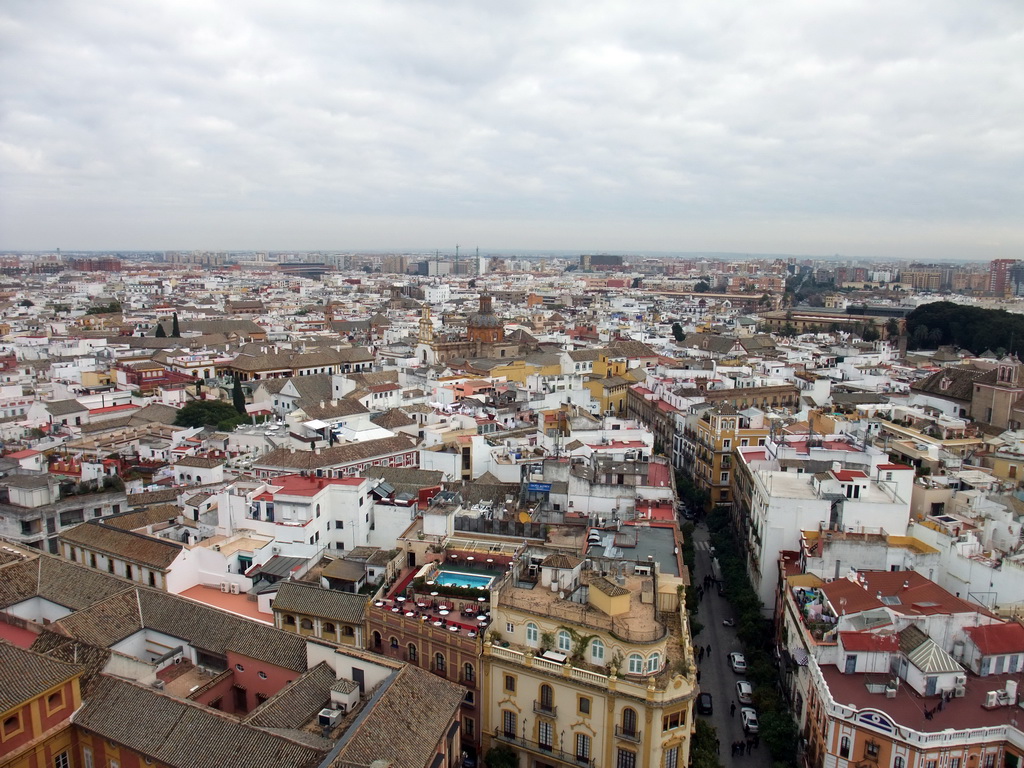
(585,669)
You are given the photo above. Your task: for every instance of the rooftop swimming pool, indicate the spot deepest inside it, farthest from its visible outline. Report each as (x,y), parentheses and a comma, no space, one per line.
(460,579)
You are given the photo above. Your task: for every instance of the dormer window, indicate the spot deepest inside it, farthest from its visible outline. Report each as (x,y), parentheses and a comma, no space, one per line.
(944,384)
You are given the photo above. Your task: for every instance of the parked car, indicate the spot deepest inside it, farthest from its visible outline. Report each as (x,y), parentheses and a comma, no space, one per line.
(744,692)
(738,662)
(704,704)
(748,716)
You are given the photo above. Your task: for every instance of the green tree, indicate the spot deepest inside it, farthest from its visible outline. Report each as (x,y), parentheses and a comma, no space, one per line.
(238,397)
(26,303)
(501,756)
(869,332)
(175,330)
(703,286)
(703,753)
(677,332)
(205,413)
(892,328)
(160,332)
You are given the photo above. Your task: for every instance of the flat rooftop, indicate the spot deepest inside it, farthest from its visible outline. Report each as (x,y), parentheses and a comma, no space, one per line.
(638,623)
(907,708)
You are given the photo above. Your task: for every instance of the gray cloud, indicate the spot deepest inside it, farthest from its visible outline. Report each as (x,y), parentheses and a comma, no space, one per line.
(874,129)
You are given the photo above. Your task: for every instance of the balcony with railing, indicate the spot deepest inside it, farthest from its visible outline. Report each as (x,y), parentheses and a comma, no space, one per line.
(544,708)
(629,734)
(546,750)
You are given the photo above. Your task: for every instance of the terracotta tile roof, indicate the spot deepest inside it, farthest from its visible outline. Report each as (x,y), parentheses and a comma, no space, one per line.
(148,551)
(311,600)
(869,641)
(152,497)
(604,585)
(133,521)
(337,455)
(58,581)
(24,675)
(331,409)
(559,560)
(386,732)
(90,658)
(995,639)
(199,462)
(297,704)
(110,621)
(180,733)
(954,383)
(392,419)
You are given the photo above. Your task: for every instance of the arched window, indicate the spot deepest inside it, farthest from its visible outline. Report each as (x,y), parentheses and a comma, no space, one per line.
(376,639)
(636,664)
(547,698)
(844,746)
(629,721)
(898,762)
(306,624)
(532,633)
(289,621)
(394,642)
(564,641)
(597,652)
(414,654)
(348,631)
(439,663)
(318,510)
(329,628)
(468,673)
(653,663)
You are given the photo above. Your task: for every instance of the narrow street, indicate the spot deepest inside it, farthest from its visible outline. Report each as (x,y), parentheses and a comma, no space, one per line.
(717,677)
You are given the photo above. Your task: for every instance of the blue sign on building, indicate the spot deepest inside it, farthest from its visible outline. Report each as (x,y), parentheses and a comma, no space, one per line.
(545,487)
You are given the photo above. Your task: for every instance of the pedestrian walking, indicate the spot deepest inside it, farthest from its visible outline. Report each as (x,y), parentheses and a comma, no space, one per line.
(757,740)
(732,709)
(749,746)
(718,746)
(709,649)
(700,654)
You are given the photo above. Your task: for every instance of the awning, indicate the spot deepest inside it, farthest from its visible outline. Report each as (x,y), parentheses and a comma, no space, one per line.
(315,424)
(799,656)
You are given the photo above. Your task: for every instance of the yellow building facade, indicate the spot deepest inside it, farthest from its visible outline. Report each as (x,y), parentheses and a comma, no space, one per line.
(599,682)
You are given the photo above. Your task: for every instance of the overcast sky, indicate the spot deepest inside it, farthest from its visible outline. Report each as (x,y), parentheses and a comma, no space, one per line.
(798,126)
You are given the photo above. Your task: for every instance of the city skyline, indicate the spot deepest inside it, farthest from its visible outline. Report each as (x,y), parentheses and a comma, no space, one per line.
(796,129)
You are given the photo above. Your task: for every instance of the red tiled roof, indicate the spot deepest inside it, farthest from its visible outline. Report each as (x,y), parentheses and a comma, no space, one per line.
(26,454)
(996,639)
(846,475)
(869,641)
(297,485)
(920,597)
(113,408)
(893,466)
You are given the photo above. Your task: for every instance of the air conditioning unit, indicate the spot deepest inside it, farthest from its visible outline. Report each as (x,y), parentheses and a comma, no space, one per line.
(961,680)
(275,550)
(329,717)
(960,691)
(216,547)
(234,589)
(225,586)
(992,699)
(158,684)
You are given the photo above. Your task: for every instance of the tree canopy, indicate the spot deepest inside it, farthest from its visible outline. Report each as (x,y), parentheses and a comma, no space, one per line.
(973,328)
(209,413)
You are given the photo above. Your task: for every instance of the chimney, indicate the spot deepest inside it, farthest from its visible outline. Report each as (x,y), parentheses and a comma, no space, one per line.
(334,403)
(321,403)
(291,448)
